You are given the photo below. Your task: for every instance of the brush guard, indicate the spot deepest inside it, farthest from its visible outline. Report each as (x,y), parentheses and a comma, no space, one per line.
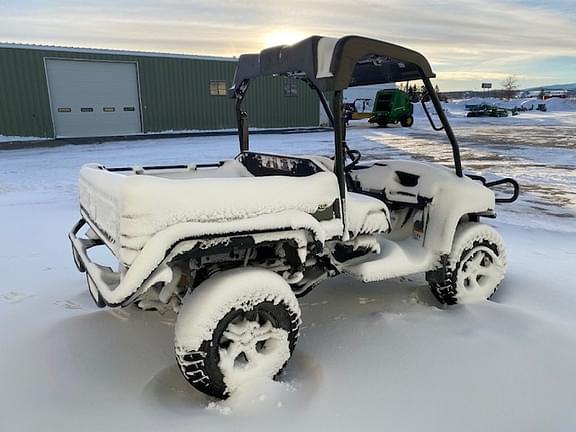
(506,180)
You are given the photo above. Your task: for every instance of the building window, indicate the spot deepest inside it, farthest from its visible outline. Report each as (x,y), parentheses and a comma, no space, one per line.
(129,109)
(217,88)
(290,89)
(108,109)
(86,109)
(66,110)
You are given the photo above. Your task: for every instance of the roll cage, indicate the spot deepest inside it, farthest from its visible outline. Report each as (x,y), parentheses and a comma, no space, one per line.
(332,65)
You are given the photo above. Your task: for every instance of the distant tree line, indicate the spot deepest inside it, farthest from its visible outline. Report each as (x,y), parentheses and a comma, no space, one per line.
(509,88)
(415,92)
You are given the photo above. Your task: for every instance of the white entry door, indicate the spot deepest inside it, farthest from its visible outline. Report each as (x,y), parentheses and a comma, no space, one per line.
(93,98)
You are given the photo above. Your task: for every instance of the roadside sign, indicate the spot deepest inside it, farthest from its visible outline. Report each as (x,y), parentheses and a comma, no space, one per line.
(486,85)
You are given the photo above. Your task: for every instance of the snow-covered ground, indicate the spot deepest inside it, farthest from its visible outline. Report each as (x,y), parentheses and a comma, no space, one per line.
(5,138)
(374,356)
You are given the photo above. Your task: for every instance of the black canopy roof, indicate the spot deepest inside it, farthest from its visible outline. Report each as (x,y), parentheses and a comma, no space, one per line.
(335,64)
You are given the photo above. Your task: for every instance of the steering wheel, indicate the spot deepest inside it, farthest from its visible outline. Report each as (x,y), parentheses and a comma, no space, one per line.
(355,157)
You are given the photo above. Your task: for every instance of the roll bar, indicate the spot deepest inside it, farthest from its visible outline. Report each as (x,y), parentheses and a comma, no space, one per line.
(307,61)
(445,125)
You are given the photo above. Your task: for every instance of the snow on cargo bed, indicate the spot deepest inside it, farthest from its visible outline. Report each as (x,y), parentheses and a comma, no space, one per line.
(130,206)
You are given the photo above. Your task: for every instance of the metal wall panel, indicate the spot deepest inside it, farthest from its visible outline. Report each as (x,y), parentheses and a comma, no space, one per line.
(174,94)
(24,105)
(268,106)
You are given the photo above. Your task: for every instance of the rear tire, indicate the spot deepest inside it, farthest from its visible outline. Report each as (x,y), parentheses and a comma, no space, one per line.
(239,325)
(407,121)
(474,269)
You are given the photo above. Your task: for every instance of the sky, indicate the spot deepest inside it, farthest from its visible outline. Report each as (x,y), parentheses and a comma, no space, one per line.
(467,41)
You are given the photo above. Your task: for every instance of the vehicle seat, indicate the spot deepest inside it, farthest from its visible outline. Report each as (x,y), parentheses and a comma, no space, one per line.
(366,215)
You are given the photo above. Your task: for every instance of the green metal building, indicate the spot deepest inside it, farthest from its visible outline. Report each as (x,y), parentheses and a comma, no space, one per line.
(74,92)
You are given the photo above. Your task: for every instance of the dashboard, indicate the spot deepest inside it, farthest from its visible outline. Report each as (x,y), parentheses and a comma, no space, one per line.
(263,164)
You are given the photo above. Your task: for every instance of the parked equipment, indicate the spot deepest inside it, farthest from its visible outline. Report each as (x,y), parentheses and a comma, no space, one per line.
(392,106)
(231,245)
(359,109)
(485,110)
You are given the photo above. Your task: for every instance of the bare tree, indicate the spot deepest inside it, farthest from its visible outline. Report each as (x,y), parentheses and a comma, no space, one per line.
(510,84)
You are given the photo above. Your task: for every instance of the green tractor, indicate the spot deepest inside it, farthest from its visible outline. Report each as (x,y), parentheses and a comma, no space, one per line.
(392,106)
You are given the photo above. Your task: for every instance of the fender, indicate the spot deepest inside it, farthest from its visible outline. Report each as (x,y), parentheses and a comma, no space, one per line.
(152,264)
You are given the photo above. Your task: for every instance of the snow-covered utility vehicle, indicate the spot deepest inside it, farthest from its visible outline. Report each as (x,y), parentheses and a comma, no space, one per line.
(230,245)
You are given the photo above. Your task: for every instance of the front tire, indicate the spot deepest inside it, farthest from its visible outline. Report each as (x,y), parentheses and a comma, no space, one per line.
(407,121)
(239,325)
(473,270)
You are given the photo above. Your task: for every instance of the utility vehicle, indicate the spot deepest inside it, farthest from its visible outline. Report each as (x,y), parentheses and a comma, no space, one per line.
(392,106)
(231,245)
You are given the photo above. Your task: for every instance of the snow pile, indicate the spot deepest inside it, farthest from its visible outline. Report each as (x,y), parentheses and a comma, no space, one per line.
(419,111)
(5,138)
(477,101)
(552,104)
(558,104)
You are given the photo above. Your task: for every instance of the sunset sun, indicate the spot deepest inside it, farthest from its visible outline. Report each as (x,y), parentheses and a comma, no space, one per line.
(282,37)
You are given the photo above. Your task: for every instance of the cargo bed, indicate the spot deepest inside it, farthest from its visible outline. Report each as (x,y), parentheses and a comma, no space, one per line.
(128,206)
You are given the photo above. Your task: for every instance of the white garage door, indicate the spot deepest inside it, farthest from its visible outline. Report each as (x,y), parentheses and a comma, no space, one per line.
(93,98)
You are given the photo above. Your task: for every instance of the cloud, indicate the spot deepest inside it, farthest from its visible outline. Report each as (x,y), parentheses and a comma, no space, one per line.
(460,37)
(474,76)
